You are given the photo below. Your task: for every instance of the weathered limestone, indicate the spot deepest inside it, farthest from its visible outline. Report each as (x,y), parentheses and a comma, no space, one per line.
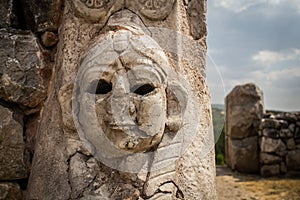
(244,110)
(21,68)
(10,191)
(13,160)
(243,151)
(128,113)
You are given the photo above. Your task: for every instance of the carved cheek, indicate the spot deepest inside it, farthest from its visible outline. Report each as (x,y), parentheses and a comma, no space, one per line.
(151,113)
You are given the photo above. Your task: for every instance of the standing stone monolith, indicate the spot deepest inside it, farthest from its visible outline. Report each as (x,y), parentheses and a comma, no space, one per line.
(128,110)
(244,111)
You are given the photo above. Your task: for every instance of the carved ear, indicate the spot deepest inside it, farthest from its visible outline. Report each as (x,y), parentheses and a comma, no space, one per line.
(65,101)
(176,105)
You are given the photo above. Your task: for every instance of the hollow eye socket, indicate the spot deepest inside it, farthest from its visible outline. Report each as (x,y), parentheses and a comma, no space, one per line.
(100,87)
(144,89)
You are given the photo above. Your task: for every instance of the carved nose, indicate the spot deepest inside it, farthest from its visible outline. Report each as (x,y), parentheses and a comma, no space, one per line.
(121,105)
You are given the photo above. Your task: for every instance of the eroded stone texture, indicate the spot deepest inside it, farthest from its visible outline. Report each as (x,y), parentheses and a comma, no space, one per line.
(10,191)
(21,66)
(126,126)
(13,163)
(270,145)
(244,110)
(152,9)
(7,16)
(197,14)
(244,156)
(97,11)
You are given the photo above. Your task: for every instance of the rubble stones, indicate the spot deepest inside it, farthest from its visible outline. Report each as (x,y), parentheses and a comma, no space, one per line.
(285,147)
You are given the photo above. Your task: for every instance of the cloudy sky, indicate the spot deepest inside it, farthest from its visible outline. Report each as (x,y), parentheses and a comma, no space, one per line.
(255,41)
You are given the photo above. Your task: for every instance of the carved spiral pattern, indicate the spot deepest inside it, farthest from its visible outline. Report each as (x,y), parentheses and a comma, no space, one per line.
(154,4)
(95,3)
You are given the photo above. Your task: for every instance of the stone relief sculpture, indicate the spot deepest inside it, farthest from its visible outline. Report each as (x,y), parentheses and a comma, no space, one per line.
(123,101)
(133,117)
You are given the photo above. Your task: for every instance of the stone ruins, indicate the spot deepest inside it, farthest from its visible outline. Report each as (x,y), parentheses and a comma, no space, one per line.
(105,99)
(258,141)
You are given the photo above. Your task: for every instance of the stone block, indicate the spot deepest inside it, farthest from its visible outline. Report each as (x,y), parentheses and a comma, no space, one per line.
(244,111)
(289,117)
(266,158)
(293,160)
(270,170)
(290,143)
(10,191)
(285,133)
(12,160)
(244,154)
(273,123)
(7,16)
(21,68)
(270,132)
(269,145)
(292,128)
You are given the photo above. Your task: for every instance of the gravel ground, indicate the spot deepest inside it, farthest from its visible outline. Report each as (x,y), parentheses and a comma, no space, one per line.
(237,186)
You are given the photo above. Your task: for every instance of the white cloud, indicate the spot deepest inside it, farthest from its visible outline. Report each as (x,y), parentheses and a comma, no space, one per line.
(268,58)
(241,5)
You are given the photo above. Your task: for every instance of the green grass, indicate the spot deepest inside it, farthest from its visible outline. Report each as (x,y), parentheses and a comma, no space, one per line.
(218,114)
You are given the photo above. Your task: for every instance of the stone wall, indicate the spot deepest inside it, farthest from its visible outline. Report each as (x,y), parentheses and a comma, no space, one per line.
(28,37)
(260,142)
(280,144)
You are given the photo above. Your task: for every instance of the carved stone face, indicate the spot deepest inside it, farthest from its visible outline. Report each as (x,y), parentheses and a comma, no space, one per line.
(129,94)
(130,105)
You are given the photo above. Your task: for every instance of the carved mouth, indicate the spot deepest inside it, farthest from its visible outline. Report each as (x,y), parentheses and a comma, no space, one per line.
(123,126)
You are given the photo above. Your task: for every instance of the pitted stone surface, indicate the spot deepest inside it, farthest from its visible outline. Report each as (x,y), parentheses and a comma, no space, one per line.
(21,65)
